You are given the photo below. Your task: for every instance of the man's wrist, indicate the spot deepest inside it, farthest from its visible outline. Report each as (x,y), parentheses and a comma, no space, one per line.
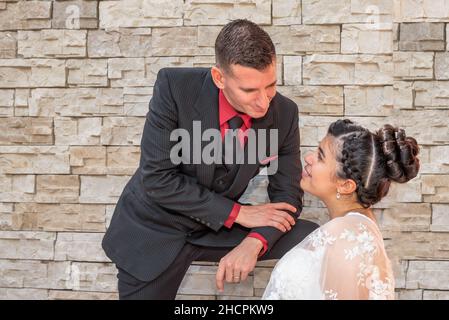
(256,243)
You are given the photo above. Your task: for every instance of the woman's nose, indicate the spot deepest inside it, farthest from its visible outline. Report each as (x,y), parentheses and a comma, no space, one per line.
(308,158)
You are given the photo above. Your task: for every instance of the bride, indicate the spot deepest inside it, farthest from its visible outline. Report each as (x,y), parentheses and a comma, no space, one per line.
(345,258)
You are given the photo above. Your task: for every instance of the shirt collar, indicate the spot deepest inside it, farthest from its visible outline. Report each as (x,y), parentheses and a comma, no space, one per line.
(227,111)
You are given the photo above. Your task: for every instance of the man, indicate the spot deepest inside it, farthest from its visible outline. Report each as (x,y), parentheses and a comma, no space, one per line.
(170,213)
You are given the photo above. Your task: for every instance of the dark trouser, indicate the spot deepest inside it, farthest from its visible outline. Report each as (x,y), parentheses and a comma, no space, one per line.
(166,285)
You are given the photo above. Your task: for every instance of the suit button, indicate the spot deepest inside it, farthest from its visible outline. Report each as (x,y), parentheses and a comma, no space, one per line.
(220,182)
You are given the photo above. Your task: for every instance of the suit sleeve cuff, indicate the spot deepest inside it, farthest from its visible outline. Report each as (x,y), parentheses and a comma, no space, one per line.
(261,238)
(232,216)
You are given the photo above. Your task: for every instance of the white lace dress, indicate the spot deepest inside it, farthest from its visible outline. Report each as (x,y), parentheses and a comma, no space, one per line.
(343,259)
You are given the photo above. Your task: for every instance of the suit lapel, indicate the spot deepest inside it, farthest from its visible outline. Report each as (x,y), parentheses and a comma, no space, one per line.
(206,111)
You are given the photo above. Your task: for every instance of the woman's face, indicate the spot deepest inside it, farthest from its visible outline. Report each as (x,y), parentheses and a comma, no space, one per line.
(319,172)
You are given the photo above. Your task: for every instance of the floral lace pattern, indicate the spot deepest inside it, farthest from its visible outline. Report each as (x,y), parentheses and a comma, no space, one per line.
(312,269)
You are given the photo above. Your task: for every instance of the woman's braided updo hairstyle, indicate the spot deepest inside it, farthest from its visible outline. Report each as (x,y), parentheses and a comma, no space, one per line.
(373,160)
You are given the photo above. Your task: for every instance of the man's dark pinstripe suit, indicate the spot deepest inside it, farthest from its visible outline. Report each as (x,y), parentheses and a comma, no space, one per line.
(167,209)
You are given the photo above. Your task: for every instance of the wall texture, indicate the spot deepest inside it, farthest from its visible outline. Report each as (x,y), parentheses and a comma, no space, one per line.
(75,80)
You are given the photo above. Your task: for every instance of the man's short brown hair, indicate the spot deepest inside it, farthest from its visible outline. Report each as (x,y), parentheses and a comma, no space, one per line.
(244,43)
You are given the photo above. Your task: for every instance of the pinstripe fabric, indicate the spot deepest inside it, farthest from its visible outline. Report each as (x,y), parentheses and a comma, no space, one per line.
(164,206)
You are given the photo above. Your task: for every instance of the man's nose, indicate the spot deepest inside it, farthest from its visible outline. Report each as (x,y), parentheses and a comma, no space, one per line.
(263,100)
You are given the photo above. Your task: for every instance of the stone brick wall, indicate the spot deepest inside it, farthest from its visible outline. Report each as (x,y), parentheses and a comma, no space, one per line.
(75,80)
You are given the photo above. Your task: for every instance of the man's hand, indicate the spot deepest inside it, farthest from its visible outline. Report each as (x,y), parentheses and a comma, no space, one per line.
(267,215)
(237,264)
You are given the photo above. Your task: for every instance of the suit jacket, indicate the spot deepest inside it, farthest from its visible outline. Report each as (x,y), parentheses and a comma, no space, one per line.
(164,205)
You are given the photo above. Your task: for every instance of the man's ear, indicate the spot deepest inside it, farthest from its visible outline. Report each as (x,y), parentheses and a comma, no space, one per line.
(217,77)
(346,186)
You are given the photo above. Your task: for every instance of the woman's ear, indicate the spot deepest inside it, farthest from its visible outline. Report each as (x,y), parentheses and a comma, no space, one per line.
(217,77)
(346,186)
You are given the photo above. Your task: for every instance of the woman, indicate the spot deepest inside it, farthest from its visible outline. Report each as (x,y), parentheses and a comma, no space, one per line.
(345,258)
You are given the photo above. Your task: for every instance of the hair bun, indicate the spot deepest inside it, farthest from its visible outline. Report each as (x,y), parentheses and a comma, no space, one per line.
(400,153)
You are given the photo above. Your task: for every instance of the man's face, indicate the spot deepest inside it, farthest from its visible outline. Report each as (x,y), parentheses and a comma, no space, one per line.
(249,90)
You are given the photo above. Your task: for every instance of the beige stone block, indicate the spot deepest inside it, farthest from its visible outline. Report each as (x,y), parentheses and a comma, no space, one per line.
(8,44)
(428,275)
(124,42)
(201,280)
(57,188)
(140,13)
(127,72)
(35,274)
(153,65)
(291,40)
(52,43)
(178,41)
(435,295)
(261,277)
(21,102)
(409,295)
(80,247)
(19,130)
(94,277)
(442,65)
(17,188)
(25,15)
(75,14)
(440,218)
(435,188)
(87,73)
(75,102)
(23,294)
(88,160)
(102,189)
(122,131)
(292,70)
(136,100)
(256,192)
(406,217)
(403,95)
(315,214)
(26,245)
(417,245)
(28,160)
(81,295)
(286,12)
(347,69)
(433,131)
(434,160)
(26,73)
(109,213)
(316,100)
(347,11)
(6,210)
(194,297)
(210,12)
(413,65)
(409,192)
(367,38)
(59,217)
(421,37)
(368,101)
(431,94)
(122,160)
(6,103)
(77,131)
(421,11)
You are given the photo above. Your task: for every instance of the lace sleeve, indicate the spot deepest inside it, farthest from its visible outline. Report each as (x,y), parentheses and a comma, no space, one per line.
(355,266)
